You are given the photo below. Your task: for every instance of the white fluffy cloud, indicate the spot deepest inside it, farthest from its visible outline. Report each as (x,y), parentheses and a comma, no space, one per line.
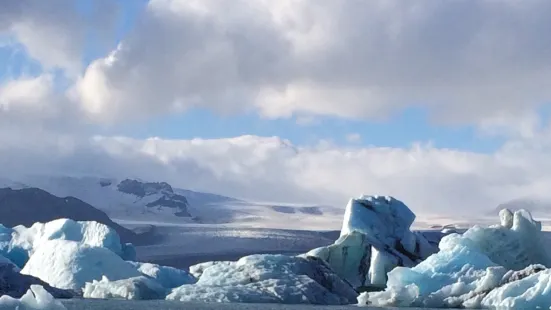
(55,32)
(429,179)
(465,60)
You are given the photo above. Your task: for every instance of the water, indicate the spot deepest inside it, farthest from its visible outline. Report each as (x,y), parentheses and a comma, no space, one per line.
(96,304)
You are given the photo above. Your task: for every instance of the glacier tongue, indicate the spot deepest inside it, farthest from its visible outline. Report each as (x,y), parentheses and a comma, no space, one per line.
(498,266)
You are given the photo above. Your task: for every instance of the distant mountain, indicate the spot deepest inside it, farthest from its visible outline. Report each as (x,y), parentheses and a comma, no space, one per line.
(127,199)
(134,201)
(536,206)
(30,205)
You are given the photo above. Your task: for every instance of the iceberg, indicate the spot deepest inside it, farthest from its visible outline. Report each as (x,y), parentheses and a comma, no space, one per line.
(36,298)
(19,243)
(168,277)
(69,264)
(138,288)
(268,279)
(499,266)
(15,284)
(375,238)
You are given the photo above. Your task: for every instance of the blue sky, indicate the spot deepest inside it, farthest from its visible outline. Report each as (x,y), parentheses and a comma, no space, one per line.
(400,129)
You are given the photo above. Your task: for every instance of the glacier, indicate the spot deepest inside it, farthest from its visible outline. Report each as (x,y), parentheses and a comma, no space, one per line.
(503,265)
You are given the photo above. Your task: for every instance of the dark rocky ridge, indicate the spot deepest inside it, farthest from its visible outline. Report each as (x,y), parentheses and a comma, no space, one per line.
(168,198)
(30,205)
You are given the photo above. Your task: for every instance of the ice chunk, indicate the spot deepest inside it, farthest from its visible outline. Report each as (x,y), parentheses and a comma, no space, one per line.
(18,243)
(140,288)
(168,277)
(374,225)
(36,298)
(385,219)
(349,257)
(514,248)
(506,218)
(381,263)
(472,270)
(69,264)
(197,270)
(15,284)
(268,279)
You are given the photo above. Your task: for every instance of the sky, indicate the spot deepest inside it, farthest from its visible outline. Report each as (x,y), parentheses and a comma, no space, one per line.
(441,104)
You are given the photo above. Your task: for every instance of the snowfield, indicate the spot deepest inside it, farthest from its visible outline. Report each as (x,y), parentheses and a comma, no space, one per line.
(135,201)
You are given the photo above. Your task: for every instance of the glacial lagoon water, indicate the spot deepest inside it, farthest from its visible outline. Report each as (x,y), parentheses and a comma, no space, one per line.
(91,304)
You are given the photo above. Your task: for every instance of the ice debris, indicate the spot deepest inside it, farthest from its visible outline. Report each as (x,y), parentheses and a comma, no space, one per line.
(15,284)
(375,238)
(268,279)
(168,277)
(498,266)
(36,298)
(140,288)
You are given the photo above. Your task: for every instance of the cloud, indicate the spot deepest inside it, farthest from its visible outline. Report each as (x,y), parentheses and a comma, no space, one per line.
(55,33)
(353,138)
(429,179)
(33,104)
(465,61)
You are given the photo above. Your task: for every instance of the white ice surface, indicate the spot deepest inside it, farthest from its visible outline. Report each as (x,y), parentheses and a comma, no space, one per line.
(19,243)
(137,288)
(168,277)
(69,265)
(36,298)
(268,279)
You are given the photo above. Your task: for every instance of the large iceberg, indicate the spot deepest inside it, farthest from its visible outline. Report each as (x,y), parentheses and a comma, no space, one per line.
(69,264)
(375,238)
(36,298)
(268,279)
(498,266)
(18,243)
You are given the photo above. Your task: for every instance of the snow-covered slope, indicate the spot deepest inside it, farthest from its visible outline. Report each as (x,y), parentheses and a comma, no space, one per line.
(131,201)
